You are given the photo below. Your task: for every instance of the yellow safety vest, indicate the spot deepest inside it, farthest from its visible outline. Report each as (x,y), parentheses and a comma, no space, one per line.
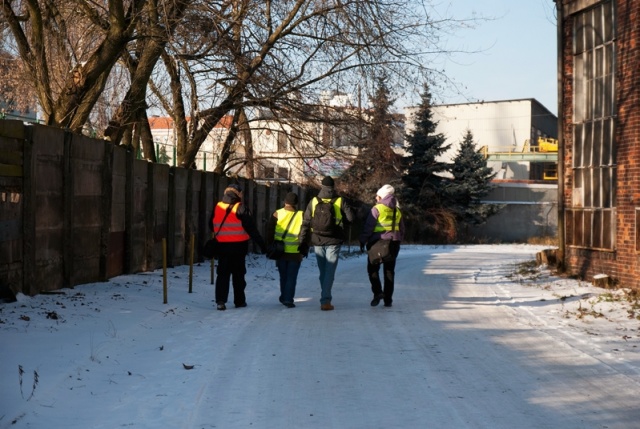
(291,237)
(336,207)
(384,222)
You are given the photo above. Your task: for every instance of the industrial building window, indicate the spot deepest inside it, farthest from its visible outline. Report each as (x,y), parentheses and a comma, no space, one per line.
(590,218)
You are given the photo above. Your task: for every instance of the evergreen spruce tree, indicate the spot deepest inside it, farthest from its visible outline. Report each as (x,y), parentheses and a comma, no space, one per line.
(422,181)
(422,192)
(377,162)
(471,182)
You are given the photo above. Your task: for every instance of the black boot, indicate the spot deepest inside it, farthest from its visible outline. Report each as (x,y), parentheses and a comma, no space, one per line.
(376,299)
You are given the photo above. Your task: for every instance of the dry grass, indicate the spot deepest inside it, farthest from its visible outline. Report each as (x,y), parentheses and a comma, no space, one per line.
(529,273)
(544,241)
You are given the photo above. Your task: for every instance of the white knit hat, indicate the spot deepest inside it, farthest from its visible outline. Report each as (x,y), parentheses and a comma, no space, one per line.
(385,190)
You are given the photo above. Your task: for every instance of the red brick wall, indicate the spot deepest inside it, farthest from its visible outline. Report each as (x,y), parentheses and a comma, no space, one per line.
(623,264)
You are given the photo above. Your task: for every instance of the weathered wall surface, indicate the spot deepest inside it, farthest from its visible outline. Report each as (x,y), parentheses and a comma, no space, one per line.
(530,210)
(76,210)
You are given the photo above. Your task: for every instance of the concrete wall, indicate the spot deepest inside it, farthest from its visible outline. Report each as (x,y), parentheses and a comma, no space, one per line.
(530,210)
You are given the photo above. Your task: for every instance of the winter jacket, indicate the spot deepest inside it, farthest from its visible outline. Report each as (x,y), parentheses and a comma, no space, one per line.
(307,236)
(274,231)
(377,227)
(243,214)
(227,225)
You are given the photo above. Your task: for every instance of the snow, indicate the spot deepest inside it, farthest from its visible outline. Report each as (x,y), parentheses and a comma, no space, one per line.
(473,340)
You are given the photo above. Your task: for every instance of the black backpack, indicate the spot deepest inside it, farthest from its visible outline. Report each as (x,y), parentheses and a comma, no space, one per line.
(323,221)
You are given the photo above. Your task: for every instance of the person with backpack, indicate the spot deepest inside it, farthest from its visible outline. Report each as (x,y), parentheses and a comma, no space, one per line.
(233,226)
(384,222)
(323,226)
(285,226)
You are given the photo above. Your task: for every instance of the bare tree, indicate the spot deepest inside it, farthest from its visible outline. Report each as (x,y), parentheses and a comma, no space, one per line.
(279,56)
(68,49)
(15,93)
(202,60)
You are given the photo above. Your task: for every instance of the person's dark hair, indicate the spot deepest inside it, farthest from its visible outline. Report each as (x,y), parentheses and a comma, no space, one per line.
(291,198)
(328,181)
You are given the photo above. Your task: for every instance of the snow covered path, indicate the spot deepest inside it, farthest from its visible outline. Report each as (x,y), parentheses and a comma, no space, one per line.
(462,347)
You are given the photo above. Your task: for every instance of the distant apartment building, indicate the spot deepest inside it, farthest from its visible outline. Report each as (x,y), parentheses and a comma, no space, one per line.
(164,139)
(26,115)
(304,152)
(283,149)
(279,150)
(498,127)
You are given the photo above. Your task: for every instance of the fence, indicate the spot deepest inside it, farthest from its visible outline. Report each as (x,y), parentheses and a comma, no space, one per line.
(77,210)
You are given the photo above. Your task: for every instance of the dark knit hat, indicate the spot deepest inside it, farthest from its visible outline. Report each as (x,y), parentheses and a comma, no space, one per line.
(291,199)
(233,189)
(327,181)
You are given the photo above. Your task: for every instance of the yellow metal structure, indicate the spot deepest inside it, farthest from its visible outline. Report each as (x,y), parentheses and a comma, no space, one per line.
(547,144)
(545,150)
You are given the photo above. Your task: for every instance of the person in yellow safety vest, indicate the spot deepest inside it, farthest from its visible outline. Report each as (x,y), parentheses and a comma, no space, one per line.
(233,225)
(380,224)
(285,225)
(326,246)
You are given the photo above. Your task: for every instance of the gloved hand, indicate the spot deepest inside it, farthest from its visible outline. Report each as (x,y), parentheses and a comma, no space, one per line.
(361,248)
(303,248)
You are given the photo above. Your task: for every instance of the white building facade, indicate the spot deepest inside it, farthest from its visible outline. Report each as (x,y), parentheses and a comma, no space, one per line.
(164,139)
(499,127)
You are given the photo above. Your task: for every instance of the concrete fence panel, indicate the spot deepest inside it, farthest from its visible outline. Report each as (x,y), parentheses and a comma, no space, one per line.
(12,205)
(45,220)
(77,210)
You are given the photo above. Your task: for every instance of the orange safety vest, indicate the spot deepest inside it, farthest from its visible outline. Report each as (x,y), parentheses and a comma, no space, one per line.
(232,230)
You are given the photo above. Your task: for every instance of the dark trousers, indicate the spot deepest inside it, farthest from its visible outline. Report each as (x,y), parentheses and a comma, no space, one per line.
(231,268)
(288,271)
(388,270)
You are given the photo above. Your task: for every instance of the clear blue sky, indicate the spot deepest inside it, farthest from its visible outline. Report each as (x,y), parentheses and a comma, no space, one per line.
(518,51)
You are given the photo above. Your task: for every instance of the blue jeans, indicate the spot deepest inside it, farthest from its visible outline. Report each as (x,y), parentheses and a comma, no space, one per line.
(327,257)
(288,270)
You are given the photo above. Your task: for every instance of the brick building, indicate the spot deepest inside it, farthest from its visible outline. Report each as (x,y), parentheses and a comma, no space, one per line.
(599,133)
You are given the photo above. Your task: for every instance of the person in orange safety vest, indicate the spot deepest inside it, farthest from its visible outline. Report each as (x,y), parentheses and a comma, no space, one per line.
(233,225)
